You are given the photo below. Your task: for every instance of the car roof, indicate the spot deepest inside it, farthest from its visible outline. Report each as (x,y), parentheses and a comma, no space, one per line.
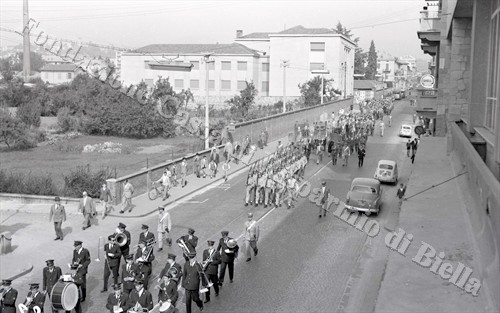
(406,125)
(390,162)
(365,182)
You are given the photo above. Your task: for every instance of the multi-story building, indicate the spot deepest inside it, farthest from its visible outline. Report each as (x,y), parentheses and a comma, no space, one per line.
(397,71)
(276,63)
(463,37)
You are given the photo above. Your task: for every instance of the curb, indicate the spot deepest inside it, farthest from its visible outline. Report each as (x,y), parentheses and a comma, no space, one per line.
(22,273)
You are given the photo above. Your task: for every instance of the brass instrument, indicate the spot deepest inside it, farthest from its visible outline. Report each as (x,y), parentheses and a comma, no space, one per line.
(183,246)
(150,244)
(207,262)
(121,239)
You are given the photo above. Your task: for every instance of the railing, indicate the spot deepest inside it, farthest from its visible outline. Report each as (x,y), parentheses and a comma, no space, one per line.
(278,126)
(429,20)
(485,216)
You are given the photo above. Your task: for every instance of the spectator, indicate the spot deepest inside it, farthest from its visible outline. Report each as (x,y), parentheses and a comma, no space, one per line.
(196,165)
(58,213)
(105,197)
(401,191)
(87,208)
(128,191)
(408,147)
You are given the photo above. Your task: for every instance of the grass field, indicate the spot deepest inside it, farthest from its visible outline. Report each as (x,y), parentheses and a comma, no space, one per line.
(59,159)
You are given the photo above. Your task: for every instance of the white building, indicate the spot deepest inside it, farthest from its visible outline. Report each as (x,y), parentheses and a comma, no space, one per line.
(256,57)
(59,73)
(396,70)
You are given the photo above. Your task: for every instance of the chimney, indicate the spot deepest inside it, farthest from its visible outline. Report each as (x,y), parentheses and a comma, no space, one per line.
(239,33)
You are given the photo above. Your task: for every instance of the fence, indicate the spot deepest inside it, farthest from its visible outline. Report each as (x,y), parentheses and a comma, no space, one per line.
(484,217)
(278,126)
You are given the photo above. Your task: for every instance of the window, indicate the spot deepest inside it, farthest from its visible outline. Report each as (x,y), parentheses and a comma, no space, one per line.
(242,84)
(69,76)
(211,84)
(179,83)
(492,91)
(242,65)
(265,67)
(196,65)
(265,86)
(387,67)
(225,85)
(211,66)
(194,84)
(317,66)
(317,46)
(226,65)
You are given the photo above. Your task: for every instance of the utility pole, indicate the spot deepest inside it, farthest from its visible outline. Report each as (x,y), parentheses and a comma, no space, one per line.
(284,64)
(26,42)
(206,59)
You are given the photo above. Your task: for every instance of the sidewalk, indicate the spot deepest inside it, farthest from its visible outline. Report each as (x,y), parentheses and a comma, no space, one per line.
(30,229)
(436,217)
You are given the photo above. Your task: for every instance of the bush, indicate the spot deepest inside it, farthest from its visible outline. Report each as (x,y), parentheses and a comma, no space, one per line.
(14,133)
(29,113)
(26,183)
(83,179)
(66,121)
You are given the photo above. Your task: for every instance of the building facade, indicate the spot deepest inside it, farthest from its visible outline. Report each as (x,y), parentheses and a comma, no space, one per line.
(463,37)
(276,63)
(56,74)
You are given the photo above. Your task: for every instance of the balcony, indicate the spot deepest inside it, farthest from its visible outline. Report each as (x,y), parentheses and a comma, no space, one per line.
(429,34)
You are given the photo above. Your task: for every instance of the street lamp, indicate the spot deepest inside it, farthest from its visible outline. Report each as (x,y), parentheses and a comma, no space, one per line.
(322,72)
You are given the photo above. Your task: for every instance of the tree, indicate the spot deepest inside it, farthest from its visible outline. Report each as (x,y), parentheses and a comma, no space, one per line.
(371,67)
(13,132)
(359,54)
(242,103)
(6,69)
(311,91)
(36,61)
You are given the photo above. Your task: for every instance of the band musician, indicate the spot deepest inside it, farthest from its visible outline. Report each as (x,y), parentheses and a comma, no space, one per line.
(171,264)
(139,298)
(78,277)
(144,258)
(51,274)
(8,297)
(228,249)
(130,271)
(190,241)
(112,261)
(34,298)
(168,289)
(125,249)
(210,264)
(81,258)
(116,300)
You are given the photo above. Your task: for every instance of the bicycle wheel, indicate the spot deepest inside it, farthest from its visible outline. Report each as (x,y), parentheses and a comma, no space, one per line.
(153,193)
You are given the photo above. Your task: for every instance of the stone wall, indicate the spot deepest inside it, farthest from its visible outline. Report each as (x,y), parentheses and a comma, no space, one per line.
(219,102)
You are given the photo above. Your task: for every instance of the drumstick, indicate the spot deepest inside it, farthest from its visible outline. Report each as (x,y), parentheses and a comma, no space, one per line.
(98,249)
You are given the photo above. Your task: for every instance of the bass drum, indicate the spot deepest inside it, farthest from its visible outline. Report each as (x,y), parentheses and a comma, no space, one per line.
(166,308)
(64,296)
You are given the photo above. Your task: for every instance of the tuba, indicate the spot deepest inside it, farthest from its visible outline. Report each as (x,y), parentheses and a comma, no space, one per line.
(121,239)
(183,246)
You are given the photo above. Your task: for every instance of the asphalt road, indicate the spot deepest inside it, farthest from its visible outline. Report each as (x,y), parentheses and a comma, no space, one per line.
(305,264)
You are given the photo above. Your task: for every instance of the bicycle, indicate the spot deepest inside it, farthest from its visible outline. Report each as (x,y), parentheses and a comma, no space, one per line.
(155,191)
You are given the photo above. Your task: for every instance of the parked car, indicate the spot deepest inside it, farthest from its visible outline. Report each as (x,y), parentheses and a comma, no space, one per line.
(365,195)
(387,171)
(405,131)
(397,96)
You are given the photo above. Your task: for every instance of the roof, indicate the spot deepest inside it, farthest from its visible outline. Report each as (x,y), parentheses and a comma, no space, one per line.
(365,84)
(390,162)
(256,36)
(233,48)
(365,181)
(64,67)
(301,30)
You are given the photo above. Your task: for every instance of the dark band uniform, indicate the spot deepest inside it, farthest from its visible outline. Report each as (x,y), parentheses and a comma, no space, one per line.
(78,277)
(129,275)
(145,267)
(212,270)
(38,299)
(8,304)
(125,249)
(114,300)
(50,277)
(227,259)
(145,299)
(167,267)
(82,258)
(114,262)
(168,292)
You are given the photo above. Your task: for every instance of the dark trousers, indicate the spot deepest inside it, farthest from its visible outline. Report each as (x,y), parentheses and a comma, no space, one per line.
(49,293)
(214,280)
(107,272)
(83,288)
(408,152)
(146,272)
(222,272)
(360,161)
(194,296)
(125,252)
(57,228)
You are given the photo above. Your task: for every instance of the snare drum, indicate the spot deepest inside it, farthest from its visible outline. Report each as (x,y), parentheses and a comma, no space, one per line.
(166,307)
(64,296)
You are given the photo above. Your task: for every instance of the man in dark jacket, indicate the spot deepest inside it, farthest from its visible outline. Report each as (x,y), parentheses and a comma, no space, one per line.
(139,297)
(168,289)
(129,273)
(228,249)
(51,275)
(191,278)
(211,257)
(34,299)
(125,249)
(81,258)
(116,299)
(8,301)
(172,267)
(191,241)
(112,261)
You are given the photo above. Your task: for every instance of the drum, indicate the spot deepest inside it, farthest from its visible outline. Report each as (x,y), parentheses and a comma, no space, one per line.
(166,307)
(64,296)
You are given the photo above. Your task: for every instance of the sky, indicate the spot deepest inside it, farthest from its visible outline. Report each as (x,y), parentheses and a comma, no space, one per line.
(391,24)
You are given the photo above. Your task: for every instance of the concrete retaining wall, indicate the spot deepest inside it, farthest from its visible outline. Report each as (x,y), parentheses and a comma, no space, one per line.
(485,215)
